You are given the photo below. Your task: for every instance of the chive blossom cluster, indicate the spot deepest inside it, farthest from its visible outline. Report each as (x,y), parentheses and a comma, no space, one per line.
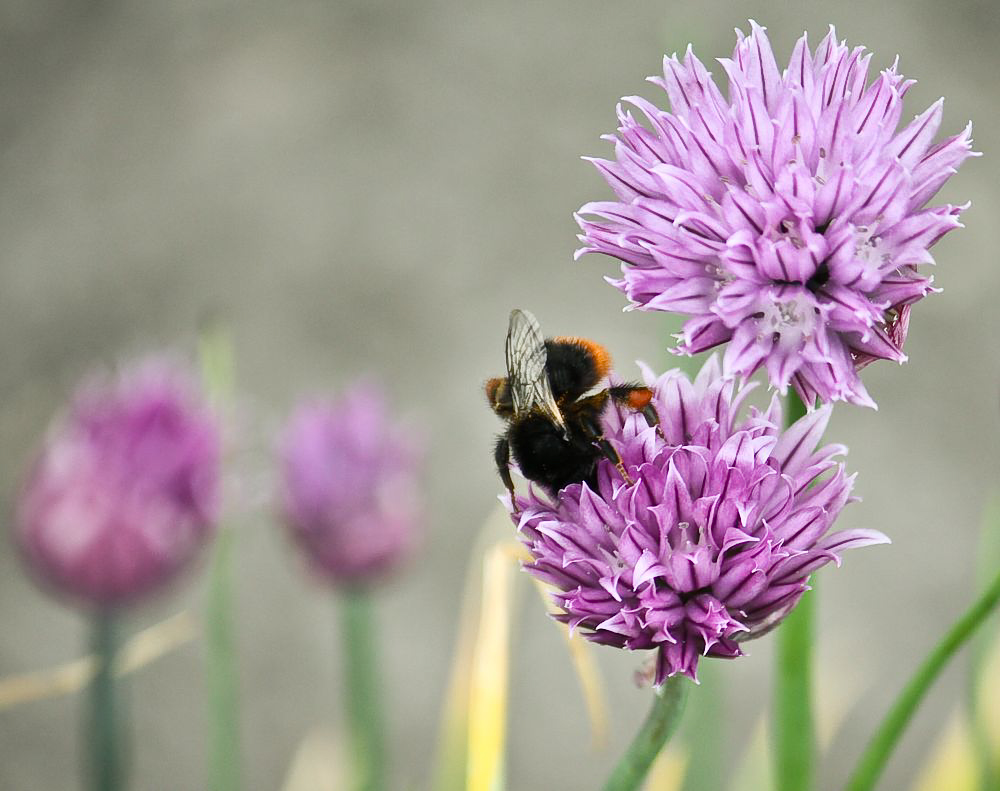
(789,220)
(712,544)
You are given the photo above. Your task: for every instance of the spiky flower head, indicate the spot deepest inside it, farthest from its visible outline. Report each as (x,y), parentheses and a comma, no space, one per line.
(349,486)
(125,490)
(714,542)
(789,219)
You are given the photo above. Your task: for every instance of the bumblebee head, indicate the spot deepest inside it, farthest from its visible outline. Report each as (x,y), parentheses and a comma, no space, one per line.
(498,395)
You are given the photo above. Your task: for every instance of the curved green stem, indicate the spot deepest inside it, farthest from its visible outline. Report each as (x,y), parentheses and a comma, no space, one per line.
(364,705)
(794,742)
(880,747)
(660,724)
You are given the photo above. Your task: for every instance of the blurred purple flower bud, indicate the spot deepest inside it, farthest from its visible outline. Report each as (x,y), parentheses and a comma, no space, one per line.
(714,542)
(125,489)
(349,488)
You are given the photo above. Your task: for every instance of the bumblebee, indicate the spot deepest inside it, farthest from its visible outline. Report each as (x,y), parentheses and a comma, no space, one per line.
(554,431)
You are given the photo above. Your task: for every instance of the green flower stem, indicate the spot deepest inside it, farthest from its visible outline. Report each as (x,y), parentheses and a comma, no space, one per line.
(364,705)
(217,362)
(705,727)
(793,716)
(874,759)
(104,729)
(661,722)
(223,680)
(794,742)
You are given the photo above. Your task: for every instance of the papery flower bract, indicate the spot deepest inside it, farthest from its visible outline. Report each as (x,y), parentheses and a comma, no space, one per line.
(349,484)
(715,541)
(788,220)
(125,489)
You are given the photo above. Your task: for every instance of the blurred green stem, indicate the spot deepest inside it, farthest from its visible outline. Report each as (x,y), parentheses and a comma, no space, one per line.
(223,681)
(217,366)
(364,705)
(660,724)
(104,730)
(874,759)
(793,717)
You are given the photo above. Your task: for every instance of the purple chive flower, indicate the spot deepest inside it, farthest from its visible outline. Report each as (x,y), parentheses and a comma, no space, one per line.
(714,543)
(350,493)
(125,490)
(788,220)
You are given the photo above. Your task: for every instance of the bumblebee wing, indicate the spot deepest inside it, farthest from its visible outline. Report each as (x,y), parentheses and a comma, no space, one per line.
(526,372)
(526,359)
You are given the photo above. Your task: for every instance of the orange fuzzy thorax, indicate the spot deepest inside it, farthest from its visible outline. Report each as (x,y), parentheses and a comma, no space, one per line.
(600,355)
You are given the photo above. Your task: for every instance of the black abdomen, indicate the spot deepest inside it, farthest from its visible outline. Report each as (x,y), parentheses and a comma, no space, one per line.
(543,456)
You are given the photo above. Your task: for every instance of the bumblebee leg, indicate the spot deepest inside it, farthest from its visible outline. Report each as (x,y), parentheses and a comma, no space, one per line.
(593,430)
(612,455)
(653,419)
(501,454)
(638,398)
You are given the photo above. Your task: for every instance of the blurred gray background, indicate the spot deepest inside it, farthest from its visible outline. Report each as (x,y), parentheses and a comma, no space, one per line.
(370,186)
